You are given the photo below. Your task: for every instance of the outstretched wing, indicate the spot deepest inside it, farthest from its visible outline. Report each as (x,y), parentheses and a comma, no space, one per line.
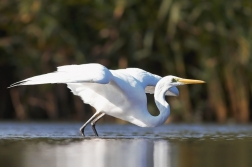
(93,73)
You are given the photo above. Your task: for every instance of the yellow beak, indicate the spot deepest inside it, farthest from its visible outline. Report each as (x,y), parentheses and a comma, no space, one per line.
(190,81)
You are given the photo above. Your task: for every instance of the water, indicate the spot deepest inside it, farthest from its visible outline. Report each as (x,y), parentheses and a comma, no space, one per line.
(182,145)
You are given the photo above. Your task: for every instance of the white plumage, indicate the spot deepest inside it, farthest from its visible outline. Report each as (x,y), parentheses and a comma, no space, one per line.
(119,93)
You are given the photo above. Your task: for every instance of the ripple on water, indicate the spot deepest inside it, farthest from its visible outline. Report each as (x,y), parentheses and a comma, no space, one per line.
(173,131)
(183,145)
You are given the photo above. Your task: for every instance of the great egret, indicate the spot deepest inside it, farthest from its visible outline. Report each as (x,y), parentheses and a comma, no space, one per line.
(118,93)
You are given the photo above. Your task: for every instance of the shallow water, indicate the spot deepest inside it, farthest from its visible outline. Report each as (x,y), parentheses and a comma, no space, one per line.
(182,145)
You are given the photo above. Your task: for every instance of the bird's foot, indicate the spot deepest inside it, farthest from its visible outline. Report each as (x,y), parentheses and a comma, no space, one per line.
(82,132)
(93,127)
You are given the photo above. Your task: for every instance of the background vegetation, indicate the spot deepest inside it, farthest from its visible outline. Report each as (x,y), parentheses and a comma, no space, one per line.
(208,40)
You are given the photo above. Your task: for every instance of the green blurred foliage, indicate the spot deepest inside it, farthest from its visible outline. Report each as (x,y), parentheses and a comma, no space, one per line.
(208,40)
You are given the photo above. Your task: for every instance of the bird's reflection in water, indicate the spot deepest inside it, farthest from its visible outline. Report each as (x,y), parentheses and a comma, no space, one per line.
(163,152)
(100,152)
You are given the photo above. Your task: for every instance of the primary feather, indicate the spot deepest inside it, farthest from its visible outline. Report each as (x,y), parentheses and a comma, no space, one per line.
(94,73)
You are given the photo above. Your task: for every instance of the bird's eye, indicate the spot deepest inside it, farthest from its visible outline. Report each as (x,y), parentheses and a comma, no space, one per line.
(174,80)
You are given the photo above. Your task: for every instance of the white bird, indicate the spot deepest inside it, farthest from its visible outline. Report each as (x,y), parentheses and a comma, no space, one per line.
(119,93)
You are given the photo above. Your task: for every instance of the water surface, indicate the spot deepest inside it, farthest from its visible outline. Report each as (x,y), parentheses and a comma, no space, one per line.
(182,145)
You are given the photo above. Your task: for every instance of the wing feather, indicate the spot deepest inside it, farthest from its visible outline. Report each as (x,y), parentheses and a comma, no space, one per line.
(94,73)
(173,91)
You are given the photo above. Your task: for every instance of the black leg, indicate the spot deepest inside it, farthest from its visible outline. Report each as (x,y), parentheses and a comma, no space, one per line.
(94,122)
(83,126)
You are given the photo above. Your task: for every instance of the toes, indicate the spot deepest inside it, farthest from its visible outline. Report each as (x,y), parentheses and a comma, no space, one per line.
(82,132)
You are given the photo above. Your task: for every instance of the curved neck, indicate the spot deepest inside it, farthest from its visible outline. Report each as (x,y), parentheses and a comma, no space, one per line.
(162,105)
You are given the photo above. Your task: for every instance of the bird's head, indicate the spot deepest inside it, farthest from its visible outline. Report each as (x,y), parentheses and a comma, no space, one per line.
(171,82)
